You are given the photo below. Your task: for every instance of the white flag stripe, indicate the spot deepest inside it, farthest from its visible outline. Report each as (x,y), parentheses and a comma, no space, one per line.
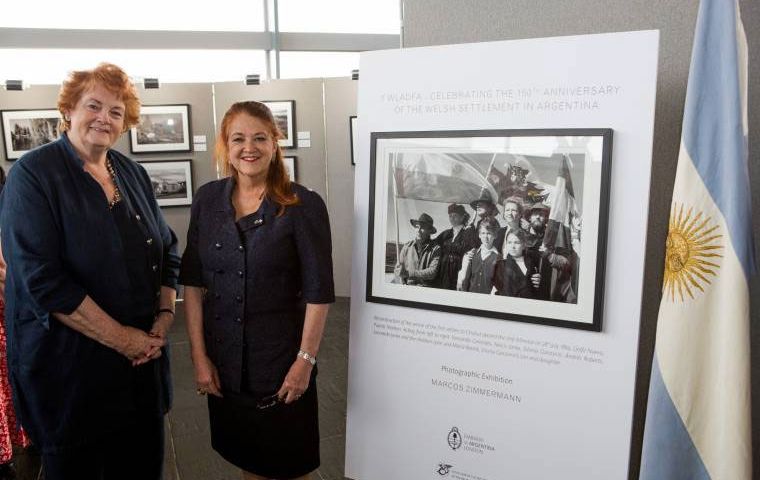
(709,388)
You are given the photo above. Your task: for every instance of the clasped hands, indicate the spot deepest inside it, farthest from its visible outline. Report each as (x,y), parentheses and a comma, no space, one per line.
(141,347)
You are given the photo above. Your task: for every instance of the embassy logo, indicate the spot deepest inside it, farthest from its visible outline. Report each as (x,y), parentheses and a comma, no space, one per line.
(454,438)
(443,469)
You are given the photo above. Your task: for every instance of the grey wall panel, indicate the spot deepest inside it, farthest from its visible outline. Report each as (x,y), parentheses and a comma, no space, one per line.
(340,104)
(438,22)
(310,162)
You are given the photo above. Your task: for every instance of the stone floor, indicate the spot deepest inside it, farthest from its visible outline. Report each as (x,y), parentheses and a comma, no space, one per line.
(188,447)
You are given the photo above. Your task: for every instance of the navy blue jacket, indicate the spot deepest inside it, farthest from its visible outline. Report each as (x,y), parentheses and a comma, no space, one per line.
(61,243)
(258,274)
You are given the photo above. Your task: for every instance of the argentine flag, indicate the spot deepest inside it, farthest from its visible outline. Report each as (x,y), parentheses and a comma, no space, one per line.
(698,416)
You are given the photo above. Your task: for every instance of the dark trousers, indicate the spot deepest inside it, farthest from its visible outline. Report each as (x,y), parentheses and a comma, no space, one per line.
(135,452)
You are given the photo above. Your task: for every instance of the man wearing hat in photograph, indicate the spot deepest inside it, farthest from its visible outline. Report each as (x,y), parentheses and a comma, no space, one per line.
(454,243)
(419,259)
(559,281)
(484,208)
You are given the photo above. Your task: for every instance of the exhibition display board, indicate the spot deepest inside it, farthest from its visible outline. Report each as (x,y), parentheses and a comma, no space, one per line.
(446,378)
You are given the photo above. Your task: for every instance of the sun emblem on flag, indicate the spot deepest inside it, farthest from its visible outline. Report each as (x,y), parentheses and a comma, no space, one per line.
(690,253)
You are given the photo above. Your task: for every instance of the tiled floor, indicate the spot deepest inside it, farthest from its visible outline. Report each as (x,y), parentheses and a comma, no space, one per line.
(188,448)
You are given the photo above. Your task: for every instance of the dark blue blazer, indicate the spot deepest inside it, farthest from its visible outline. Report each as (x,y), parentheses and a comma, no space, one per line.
(61,243)
(258,273)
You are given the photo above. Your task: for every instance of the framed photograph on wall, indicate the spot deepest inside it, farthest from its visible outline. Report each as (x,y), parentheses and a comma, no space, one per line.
(290,165)
(162,128)
(354,136)
(509,224)
(172,181)
(284,112)
(24,130)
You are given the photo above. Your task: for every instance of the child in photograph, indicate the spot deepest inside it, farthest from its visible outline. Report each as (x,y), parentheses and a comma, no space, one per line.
(522,273)
(478,271)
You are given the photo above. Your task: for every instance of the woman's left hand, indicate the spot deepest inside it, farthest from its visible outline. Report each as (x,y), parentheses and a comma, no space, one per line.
(296,381)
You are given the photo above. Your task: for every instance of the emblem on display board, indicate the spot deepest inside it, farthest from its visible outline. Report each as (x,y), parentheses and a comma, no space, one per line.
(443,469)
(455,438)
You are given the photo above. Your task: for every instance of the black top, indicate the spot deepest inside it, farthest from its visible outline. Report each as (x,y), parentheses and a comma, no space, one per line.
(259,273)
(137,259)
(61,243)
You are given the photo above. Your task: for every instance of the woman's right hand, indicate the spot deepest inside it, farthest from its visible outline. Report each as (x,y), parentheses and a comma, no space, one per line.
(206,376)
(138,346)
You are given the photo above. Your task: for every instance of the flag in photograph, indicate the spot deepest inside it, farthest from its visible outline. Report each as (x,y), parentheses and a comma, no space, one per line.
(438,177)
(562,203)
(698,415)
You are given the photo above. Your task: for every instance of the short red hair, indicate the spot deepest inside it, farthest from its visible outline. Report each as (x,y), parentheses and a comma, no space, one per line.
(107,75)
(278,185)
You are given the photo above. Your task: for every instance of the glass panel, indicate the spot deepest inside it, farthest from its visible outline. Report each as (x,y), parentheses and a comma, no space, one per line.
(340,16)
(48,66)
(317,64)
(225,16)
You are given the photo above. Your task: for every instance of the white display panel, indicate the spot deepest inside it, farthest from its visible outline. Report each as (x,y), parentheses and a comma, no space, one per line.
(443,395)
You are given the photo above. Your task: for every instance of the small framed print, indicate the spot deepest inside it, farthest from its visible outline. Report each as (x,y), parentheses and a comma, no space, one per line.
(284,113)
(172,181)
(290,166)
(24,130)
(162,128)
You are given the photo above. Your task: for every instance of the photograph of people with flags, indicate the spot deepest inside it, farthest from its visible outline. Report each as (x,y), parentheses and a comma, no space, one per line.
(498,215)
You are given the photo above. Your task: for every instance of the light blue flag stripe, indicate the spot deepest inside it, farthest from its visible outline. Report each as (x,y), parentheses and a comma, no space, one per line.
(712,129)
(669,453)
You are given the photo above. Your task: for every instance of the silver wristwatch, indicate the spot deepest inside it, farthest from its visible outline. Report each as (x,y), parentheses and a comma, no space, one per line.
(307,357)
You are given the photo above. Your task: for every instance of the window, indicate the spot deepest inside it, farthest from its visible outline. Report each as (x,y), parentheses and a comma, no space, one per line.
(227,16)
(47,66)
(340,16)
(317,64)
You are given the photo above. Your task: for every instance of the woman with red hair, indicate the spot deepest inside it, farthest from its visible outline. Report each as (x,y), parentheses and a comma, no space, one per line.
(258,280)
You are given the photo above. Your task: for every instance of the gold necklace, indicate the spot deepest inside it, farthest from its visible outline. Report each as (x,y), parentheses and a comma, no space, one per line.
(116,193)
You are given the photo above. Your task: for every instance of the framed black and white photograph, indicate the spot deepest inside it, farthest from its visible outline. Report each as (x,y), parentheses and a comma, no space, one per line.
(354,136)
(284,113)
(162,128)
(509,224)
(290,166)
(24,130)
(172,181)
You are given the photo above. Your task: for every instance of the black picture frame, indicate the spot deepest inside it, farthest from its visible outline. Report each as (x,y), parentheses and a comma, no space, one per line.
(24,130)
(162,129)
(412,173)
(353,136)
(172,181)
(291,165)
(284,112)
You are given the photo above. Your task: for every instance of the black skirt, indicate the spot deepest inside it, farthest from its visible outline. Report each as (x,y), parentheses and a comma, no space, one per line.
(277,442)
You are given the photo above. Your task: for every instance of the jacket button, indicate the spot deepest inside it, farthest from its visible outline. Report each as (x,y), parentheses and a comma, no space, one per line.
(238,320)
(217,296)
(149,241)
(217,317)
(217,245)
(137,217)
(239,298)
(158,293)
(241,248)
(240,273)
(155,268)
